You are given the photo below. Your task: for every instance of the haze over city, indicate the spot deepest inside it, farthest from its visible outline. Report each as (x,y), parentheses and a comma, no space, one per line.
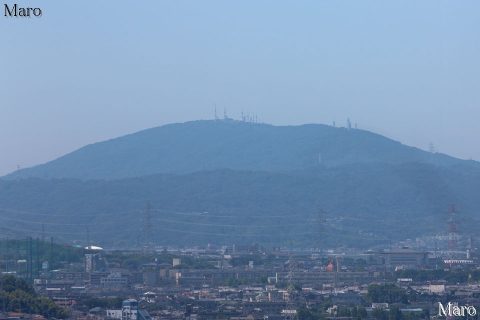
(207,159)
(403,69)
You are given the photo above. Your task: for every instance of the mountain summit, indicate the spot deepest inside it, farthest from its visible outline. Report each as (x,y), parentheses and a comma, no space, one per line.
(228,144)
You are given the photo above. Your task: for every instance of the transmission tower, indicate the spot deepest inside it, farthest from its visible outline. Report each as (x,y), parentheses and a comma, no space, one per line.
(147,226)
(87,233)
(37,257)
(452,228)
(50,255)
(321,220)
(30,258)
(289,312)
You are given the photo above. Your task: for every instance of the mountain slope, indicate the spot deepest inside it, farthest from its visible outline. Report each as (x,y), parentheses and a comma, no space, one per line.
(357,205)
(235,182)
(227,144)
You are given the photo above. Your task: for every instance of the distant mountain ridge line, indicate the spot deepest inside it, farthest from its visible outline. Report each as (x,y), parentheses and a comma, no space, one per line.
(202,145)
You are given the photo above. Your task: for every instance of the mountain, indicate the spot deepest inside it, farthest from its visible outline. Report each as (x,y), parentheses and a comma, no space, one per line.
(356,205)
(228,144)
(228,182)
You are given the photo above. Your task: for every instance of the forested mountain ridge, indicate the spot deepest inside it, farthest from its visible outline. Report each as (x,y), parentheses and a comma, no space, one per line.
(228,181)
(355,205)
(228,144)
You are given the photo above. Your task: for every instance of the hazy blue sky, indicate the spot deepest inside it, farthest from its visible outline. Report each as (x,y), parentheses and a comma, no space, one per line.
(92,70)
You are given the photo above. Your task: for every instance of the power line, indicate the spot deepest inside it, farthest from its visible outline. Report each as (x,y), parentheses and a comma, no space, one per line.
(232,225)
(100,214)
(229,233)
(206,214)
(26,230)
(44,223)
(119,213)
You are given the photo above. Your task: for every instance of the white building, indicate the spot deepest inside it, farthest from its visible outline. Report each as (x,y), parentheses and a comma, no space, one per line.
(129,311)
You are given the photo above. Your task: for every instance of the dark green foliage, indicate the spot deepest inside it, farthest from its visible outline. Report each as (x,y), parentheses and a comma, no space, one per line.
(395,313)
(17,295)
(389,293)
(451,276)
(309,314)
(10,283)
(356,312)
(105,303)
(243,260)
(380,314)
(54,253)
(360,312)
